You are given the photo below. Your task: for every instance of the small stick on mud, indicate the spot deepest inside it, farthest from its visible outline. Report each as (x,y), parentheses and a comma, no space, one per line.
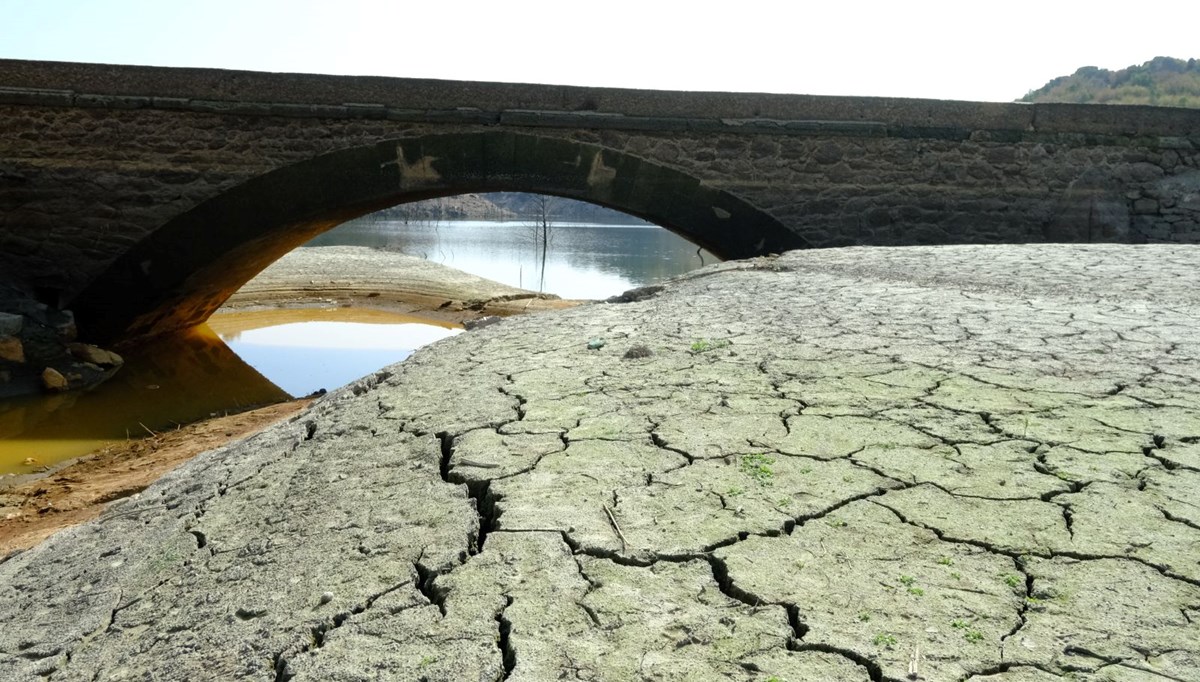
(914,664)
(479,465)
(148,429)
(613,520)
(130,512)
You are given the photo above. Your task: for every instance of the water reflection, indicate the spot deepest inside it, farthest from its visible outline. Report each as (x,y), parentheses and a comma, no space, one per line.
(303,351)
(174,381)
(584,260)
(266,357)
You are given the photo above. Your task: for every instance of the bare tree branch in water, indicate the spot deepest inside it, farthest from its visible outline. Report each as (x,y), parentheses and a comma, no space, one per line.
(542,223)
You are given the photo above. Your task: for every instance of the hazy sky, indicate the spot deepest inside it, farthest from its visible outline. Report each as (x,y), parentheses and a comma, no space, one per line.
(964,49)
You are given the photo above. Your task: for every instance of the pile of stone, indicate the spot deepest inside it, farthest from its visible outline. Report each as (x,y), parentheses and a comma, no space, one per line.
(39,352)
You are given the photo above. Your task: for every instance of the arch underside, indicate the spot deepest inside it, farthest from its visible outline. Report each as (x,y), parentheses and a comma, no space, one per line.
(179,274)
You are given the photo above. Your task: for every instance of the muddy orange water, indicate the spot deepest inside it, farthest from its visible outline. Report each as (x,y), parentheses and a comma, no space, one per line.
(236,361)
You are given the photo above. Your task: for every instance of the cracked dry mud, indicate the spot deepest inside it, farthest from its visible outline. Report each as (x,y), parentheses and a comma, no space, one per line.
(955,463)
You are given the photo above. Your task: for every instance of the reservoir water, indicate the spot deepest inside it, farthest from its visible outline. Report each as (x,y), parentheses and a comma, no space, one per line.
(244,359)
(588,261)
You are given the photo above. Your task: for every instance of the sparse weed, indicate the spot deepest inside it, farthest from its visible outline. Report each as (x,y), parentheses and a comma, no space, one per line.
(958,624)
(945,561)
(884,639)
(706,345)
(758,467)
(973,636)
(1012,580)
(864,616)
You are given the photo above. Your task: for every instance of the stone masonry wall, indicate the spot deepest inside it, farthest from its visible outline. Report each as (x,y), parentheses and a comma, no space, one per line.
(84,177)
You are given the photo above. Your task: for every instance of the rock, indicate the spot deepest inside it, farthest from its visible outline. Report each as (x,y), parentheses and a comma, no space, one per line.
(481,322)
(53,380)
(11,349)
(595,344)
(11,324)
(638,351)
(635,295)
(95,355)
(63,322)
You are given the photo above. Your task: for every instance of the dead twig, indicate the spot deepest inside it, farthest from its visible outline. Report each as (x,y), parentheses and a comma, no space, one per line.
(617,527)
(130,512)
(914,664)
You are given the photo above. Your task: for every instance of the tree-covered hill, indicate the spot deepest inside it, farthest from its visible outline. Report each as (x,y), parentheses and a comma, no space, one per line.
(1162,81)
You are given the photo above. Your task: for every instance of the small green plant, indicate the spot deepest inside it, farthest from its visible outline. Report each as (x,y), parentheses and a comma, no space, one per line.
(758,467)
(884,639)
(706,345)
(916,592)
(783,502)
(956,575)
(958,624)
(945,561)
(427,661)
(973,636)
(806,470)
(907,580)
(1012,580)
(863,616)
(734,492)
(836,523)
(775,678)
(163,560)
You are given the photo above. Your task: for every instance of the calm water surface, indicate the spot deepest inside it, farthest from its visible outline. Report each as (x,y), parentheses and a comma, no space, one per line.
(583,260)
(305,350)
(236,361)
(254,358)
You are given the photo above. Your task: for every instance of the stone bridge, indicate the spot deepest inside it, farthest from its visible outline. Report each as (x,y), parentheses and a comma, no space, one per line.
(142,197)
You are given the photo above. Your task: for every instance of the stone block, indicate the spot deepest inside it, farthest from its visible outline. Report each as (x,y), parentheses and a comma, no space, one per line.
(95,355)
(11,324)
(11,349)
(53,380)
(1145,207)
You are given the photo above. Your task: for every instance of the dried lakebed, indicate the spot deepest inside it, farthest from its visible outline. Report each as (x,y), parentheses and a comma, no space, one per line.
(955,463)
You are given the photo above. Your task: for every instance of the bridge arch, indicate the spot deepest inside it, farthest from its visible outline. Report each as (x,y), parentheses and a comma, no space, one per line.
(180,273)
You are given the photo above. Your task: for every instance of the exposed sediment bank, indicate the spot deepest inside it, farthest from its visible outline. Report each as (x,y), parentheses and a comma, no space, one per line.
(357,275)
(952,463)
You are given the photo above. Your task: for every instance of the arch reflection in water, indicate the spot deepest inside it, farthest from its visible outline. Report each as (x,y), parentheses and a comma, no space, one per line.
(176,380)
(273,355)
(307,349)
